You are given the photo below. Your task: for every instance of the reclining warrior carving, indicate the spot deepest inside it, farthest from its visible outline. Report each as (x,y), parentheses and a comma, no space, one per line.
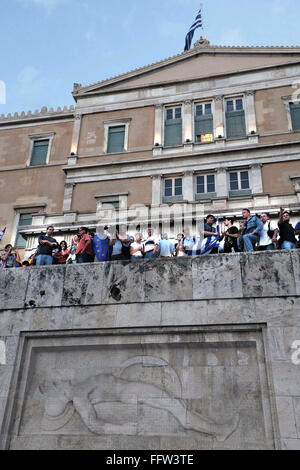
(64,397)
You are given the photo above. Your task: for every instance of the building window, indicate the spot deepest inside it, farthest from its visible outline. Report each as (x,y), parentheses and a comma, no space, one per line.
(203,123)
(40,149)
(116,135)
(116,139)
(24,220)
(235,118)
(172,191)
(295,115)
(110,204)
(239,183)
(173,187)
(39,153)
(173,126)
(205,187)
(206,184)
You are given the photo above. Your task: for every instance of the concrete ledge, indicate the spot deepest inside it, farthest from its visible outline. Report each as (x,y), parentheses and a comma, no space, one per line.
(233,276)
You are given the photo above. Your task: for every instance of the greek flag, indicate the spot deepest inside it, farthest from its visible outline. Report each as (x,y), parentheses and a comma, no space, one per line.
(189,37)
(2,233)
(211,242)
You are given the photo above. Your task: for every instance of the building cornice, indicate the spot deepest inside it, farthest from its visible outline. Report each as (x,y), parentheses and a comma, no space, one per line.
(197,50)
(188,80)
(69,169)
(37,116)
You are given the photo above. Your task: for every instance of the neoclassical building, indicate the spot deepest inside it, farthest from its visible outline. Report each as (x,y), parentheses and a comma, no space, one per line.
(211,130)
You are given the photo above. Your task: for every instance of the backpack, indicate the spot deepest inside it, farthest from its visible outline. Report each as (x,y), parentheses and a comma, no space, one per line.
(270,232)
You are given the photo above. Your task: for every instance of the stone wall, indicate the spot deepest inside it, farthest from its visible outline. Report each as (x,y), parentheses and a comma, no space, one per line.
(168,354)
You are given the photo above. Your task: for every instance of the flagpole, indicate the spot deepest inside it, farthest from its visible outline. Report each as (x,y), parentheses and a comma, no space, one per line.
(202,9)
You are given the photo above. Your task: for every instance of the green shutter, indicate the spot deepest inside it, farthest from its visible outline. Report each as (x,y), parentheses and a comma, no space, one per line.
(25,219)
(39,152)
(116,138)
(173,132)
(203,125)
(295,115)
(235,124)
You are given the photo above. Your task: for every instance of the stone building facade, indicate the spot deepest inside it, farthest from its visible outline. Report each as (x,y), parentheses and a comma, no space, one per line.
(211,130)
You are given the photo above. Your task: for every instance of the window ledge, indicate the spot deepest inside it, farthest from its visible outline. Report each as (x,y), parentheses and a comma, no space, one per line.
(242,193)
(173,146)
(242,137)
(116,153)
(168,199)
(205,197)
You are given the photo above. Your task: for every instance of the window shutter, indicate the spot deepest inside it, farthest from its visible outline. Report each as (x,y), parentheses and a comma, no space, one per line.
(295,115)
(235,124)
(116,138)
(25,219)
(204,124)
(39,152)
(173,132)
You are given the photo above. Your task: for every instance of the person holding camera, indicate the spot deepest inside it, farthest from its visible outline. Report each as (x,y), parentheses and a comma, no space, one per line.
(11,258)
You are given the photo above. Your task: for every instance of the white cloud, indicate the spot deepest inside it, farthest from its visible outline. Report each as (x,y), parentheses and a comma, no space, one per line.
(48,5)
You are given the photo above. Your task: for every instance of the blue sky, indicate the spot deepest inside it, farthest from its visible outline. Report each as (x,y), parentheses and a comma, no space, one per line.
(47,45)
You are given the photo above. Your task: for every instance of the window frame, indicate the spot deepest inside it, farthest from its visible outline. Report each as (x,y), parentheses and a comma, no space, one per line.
(165,111)
(37,138)
(240,191)
(173,197)
(173,108)
(234,99)
(297,103)
(20,214)
(116,123)
(203,103)
(205,175)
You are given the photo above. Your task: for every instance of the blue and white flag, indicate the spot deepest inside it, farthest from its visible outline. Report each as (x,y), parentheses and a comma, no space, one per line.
(101,247)
(209,243)
(2,233)
(197,24)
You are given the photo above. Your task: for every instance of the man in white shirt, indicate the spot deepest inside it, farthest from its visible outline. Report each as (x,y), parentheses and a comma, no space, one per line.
(136,248)
(121,241)
(149,244)
(268,236)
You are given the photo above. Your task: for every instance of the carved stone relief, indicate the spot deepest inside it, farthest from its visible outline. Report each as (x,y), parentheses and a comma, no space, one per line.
(205,387)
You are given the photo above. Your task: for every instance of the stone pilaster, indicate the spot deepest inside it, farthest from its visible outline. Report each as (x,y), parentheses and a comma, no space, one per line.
(188,121)
(159,119)
(221,182)
(219,117)
(68,197)
(156,189)
(75,139)
(250,112)
(257,184)
(188,186)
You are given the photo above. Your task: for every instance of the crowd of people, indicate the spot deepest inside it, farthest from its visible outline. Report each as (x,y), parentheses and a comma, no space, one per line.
(255,233)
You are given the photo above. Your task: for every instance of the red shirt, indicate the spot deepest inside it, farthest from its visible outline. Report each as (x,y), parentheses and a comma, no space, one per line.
(62,256)
(82,244)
